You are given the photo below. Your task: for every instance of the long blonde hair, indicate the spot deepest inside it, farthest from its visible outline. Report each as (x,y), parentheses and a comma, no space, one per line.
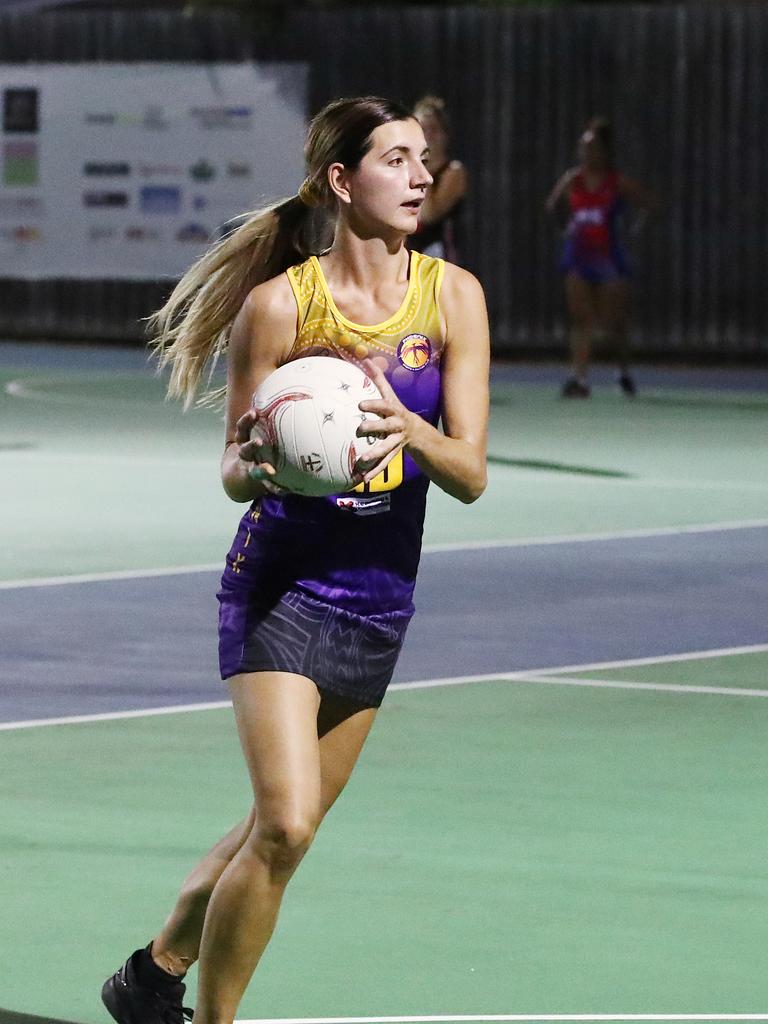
(191,331)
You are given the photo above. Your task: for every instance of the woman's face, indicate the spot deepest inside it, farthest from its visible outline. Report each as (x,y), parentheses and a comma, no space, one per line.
(388,186)
(591,150)
(434,133)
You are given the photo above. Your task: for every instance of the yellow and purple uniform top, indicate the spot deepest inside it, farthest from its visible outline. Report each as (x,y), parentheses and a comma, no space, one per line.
(407,346)
(357,551)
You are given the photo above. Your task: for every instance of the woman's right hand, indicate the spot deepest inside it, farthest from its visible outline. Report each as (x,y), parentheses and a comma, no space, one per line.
(251,452)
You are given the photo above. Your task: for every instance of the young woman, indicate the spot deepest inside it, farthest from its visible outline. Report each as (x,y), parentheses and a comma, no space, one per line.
(316,593)
(439,223)
(593,259)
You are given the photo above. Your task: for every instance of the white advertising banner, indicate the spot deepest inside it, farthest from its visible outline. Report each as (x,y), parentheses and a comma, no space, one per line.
(131,170)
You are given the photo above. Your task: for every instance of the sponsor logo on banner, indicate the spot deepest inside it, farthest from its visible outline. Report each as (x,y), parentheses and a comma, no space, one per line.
(193,233)
(160,170)
(160,199)
(108,118)
(20,110)
(97,233)
(152,118)
(105,199)
(23,233)
(32,206)
(20,163)
(139,233)
(223,202)
(106,170)
(202,171)
(155,119)
(227,118)
(235,169)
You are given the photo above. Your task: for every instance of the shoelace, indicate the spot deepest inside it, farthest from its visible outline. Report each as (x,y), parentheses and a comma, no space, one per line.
(173,1012)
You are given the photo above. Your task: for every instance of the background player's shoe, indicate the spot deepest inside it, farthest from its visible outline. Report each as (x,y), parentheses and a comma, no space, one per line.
(131,1001)
(627,385)
(575,389)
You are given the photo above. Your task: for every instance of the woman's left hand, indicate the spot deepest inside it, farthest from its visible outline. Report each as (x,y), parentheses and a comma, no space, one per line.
(393,430)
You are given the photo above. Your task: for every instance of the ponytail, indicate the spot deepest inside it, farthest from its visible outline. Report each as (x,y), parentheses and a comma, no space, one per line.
(191,330)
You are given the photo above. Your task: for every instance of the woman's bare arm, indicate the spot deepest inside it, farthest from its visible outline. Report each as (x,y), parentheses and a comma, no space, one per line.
(442,198)
(456,459)
(261,338)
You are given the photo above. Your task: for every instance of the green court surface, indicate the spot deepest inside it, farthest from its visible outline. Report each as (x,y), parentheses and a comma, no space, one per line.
(589,841)
(504,847)
(106,476)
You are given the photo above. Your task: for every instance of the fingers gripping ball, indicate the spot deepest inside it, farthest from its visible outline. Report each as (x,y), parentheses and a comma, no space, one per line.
(307,417)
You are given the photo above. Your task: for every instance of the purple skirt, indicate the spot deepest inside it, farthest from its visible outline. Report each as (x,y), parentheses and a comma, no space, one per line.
(343,653)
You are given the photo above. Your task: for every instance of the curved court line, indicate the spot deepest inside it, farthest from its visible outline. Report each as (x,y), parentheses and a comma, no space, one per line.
(544,676)
(20,388)
(159,461)
(428,549)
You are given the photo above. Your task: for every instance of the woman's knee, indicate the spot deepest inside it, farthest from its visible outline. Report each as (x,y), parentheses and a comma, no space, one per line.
(282,839)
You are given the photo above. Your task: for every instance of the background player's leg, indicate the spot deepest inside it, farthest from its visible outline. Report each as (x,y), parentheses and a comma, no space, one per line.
(342,728)
(582,316)
(613,314)
(277,717)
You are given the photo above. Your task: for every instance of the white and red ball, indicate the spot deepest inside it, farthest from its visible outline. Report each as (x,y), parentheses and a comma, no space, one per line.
(307,415)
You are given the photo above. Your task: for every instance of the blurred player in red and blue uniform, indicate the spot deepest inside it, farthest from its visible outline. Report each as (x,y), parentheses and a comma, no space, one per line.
(593,258)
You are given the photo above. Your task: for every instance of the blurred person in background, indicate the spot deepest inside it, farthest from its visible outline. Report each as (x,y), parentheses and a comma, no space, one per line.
(593,259)
(439,228)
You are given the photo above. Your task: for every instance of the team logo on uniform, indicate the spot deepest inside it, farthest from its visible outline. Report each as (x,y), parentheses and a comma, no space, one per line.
(414,351)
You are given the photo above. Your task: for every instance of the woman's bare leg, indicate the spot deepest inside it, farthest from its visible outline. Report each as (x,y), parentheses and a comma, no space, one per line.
(582,314)
(294,783)
(177,946)
(613,314)
(342,727)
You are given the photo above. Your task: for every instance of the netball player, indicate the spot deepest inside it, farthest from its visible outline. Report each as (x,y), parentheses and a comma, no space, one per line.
(317,592)
(439,226)
(593,259)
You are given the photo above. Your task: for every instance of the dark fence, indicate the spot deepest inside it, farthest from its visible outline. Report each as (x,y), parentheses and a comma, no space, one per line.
(686,87)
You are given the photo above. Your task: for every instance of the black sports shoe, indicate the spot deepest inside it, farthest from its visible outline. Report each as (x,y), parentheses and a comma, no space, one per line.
(575,389)
(131,1002)
(627,385)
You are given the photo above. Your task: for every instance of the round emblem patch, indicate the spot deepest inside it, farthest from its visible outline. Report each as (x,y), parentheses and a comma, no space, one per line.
(414,351)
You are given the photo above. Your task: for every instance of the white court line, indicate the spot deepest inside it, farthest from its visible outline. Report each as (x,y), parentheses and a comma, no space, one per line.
(428,549)
(521,1017)
(717,652)
(110,716)
(160,460)
(21,388)
(543,676)
(107,577)
(583,538)
(617,684)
